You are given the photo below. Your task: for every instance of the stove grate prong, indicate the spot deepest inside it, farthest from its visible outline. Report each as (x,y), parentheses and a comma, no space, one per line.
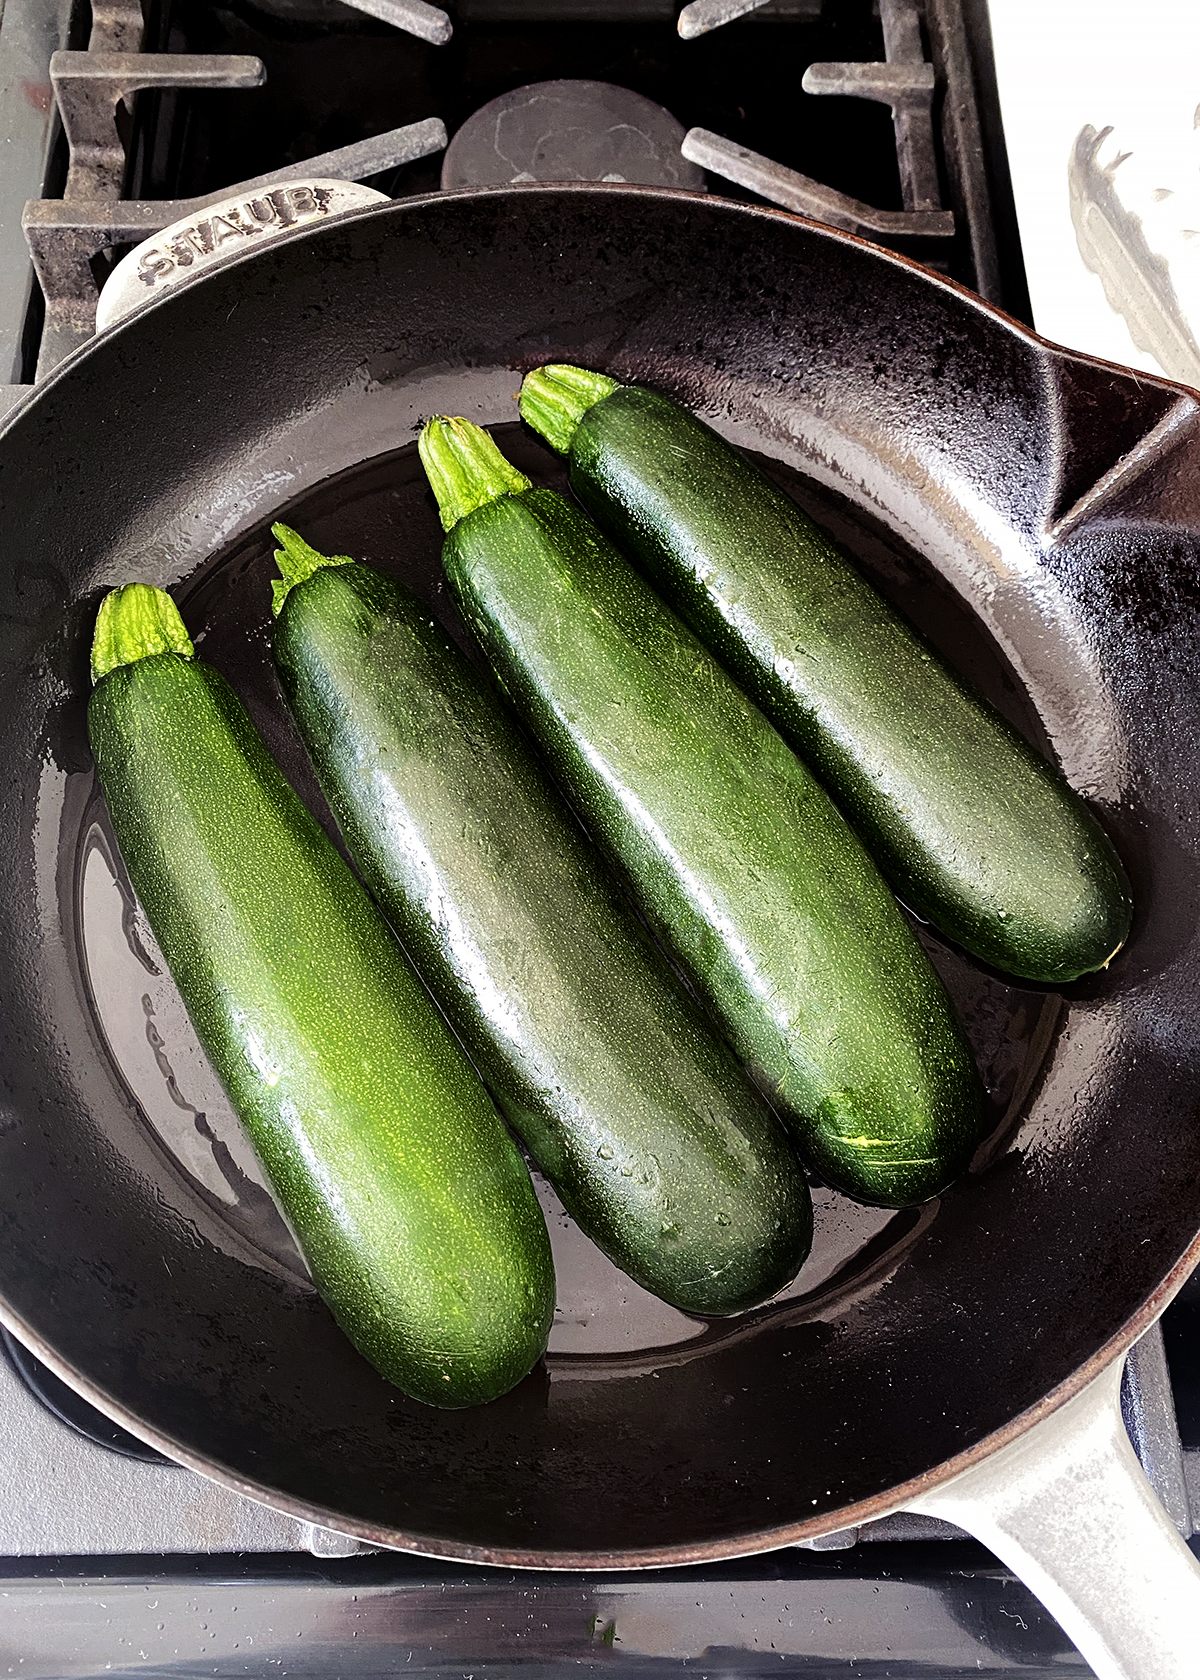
(351,163)
(787,187)
(905,83)
(88,87)
(428,23)
(702,15)
(117,26)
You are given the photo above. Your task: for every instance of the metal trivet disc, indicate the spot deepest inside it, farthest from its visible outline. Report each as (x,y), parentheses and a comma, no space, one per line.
(570,131)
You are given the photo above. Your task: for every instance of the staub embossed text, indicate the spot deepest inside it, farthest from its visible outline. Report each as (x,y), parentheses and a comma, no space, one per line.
(283,207)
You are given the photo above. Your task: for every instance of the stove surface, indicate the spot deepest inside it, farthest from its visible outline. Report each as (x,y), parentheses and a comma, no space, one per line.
(925,1611)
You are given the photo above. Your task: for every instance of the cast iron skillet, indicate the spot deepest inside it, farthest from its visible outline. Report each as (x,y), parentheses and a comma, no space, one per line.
(1036,511)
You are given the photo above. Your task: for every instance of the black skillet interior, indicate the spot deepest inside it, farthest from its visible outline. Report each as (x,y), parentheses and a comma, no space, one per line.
(959,459)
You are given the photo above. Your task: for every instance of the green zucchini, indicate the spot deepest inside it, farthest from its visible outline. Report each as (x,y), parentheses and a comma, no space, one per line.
(738,857)
(410,1201)
(658,1145)
(973,828)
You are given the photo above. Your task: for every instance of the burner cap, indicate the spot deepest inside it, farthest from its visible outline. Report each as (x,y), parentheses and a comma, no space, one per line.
(570,131)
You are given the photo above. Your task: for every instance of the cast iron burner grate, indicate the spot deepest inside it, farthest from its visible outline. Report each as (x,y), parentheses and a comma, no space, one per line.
(244,95)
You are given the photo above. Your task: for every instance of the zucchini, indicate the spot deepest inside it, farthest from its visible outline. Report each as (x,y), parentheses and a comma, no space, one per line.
(739,859)
(659,1147)
(409,1200)
(972,827)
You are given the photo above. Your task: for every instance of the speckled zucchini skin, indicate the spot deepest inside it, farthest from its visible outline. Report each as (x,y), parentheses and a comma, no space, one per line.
(410,1201)
(974,829)
(658,1145)
(738,856)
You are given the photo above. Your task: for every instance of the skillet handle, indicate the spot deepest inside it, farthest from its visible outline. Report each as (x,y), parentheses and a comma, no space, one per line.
(1068,1508)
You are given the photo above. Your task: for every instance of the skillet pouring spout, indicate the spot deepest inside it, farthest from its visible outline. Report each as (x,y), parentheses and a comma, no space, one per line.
(1036,514)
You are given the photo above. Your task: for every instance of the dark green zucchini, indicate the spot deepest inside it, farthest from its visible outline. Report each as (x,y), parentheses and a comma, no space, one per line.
(973,828)
(410,1201)
(658,1145)
(737,855)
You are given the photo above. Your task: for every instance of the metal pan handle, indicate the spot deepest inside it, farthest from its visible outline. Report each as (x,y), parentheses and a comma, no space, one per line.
(251,217)
(1068,1508)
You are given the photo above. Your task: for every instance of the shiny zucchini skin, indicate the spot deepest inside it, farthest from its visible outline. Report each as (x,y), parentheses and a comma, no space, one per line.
(972,827)
(411,1204)
(739,858)
(659,1146)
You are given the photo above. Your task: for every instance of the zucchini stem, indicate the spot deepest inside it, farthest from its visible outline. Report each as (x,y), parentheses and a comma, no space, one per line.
(297,561)
(465,468)
(135,622)
(555,398)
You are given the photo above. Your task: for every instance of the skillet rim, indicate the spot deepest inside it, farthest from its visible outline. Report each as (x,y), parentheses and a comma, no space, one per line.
(755,1541)
(553,189)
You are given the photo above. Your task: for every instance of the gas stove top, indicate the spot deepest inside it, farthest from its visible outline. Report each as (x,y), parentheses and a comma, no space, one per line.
(880,121)
(870,121)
